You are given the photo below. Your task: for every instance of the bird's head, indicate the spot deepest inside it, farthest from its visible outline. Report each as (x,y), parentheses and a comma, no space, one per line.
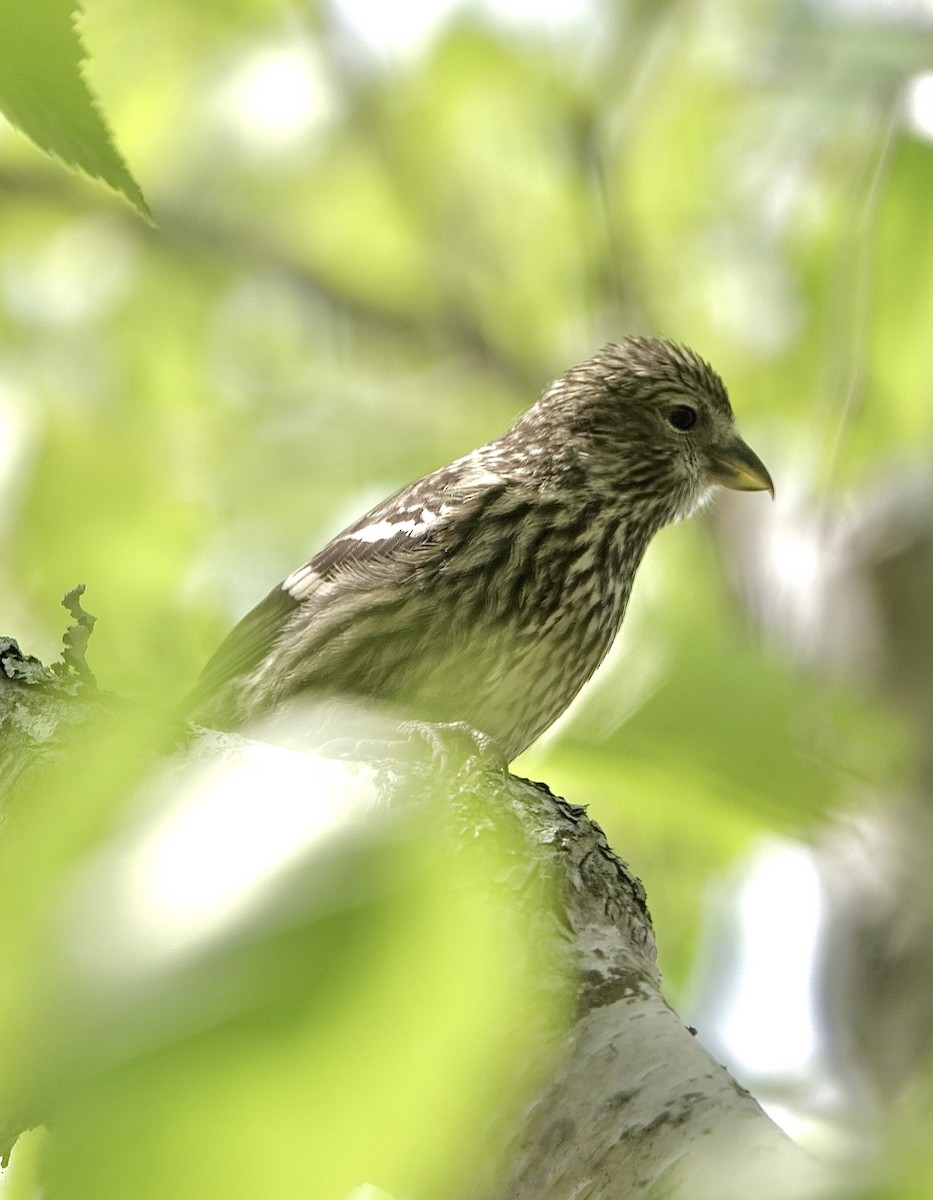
(649,423)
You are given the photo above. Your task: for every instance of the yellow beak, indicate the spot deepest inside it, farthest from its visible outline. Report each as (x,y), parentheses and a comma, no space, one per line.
(735,465)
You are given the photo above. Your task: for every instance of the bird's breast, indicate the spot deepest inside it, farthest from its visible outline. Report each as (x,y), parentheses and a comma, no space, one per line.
(534,619)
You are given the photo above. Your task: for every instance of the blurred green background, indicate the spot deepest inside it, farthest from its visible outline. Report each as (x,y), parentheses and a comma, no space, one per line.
(377,239)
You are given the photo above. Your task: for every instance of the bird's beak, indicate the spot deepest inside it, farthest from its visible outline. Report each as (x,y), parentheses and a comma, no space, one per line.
(735,465)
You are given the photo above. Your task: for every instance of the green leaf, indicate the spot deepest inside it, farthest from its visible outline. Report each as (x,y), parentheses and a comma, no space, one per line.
(43,93)
(368,1009)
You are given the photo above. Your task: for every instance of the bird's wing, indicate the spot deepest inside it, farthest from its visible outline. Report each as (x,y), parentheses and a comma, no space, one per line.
(382,548)
(244,647)
(394,539)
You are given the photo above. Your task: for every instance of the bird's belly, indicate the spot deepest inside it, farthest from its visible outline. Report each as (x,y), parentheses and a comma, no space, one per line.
(515,680)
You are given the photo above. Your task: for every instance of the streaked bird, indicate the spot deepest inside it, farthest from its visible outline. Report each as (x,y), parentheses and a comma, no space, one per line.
(488,592)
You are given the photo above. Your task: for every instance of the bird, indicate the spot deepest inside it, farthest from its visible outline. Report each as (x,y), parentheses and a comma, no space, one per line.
(486,593)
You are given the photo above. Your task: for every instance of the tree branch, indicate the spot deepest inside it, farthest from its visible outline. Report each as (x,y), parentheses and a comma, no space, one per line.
(634,1106)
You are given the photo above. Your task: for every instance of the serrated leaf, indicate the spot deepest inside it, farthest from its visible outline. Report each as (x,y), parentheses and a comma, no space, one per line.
(44,95)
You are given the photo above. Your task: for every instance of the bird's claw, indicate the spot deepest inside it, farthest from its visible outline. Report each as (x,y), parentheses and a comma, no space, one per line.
(440,748)
(454,745)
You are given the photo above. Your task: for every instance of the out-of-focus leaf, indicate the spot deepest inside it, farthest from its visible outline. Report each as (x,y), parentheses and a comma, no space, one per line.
(43,93)
(21,1179)
(220,992)
(900,314)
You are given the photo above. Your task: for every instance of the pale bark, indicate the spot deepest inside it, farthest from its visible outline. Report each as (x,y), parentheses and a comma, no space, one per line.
(636,1107)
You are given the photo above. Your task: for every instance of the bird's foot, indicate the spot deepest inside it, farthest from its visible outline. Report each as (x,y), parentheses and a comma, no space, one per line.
(454,746)
(434,749)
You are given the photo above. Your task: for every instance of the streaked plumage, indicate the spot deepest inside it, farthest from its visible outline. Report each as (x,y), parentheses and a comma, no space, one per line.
(490,590)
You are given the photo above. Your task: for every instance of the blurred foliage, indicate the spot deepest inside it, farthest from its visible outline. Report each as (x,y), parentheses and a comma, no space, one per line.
(367,260)
(221,1001)
(43,92)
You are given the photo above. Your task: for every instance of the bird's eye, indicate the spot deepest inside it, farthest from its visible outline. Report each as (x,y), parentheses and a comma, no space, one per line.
(682,417)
